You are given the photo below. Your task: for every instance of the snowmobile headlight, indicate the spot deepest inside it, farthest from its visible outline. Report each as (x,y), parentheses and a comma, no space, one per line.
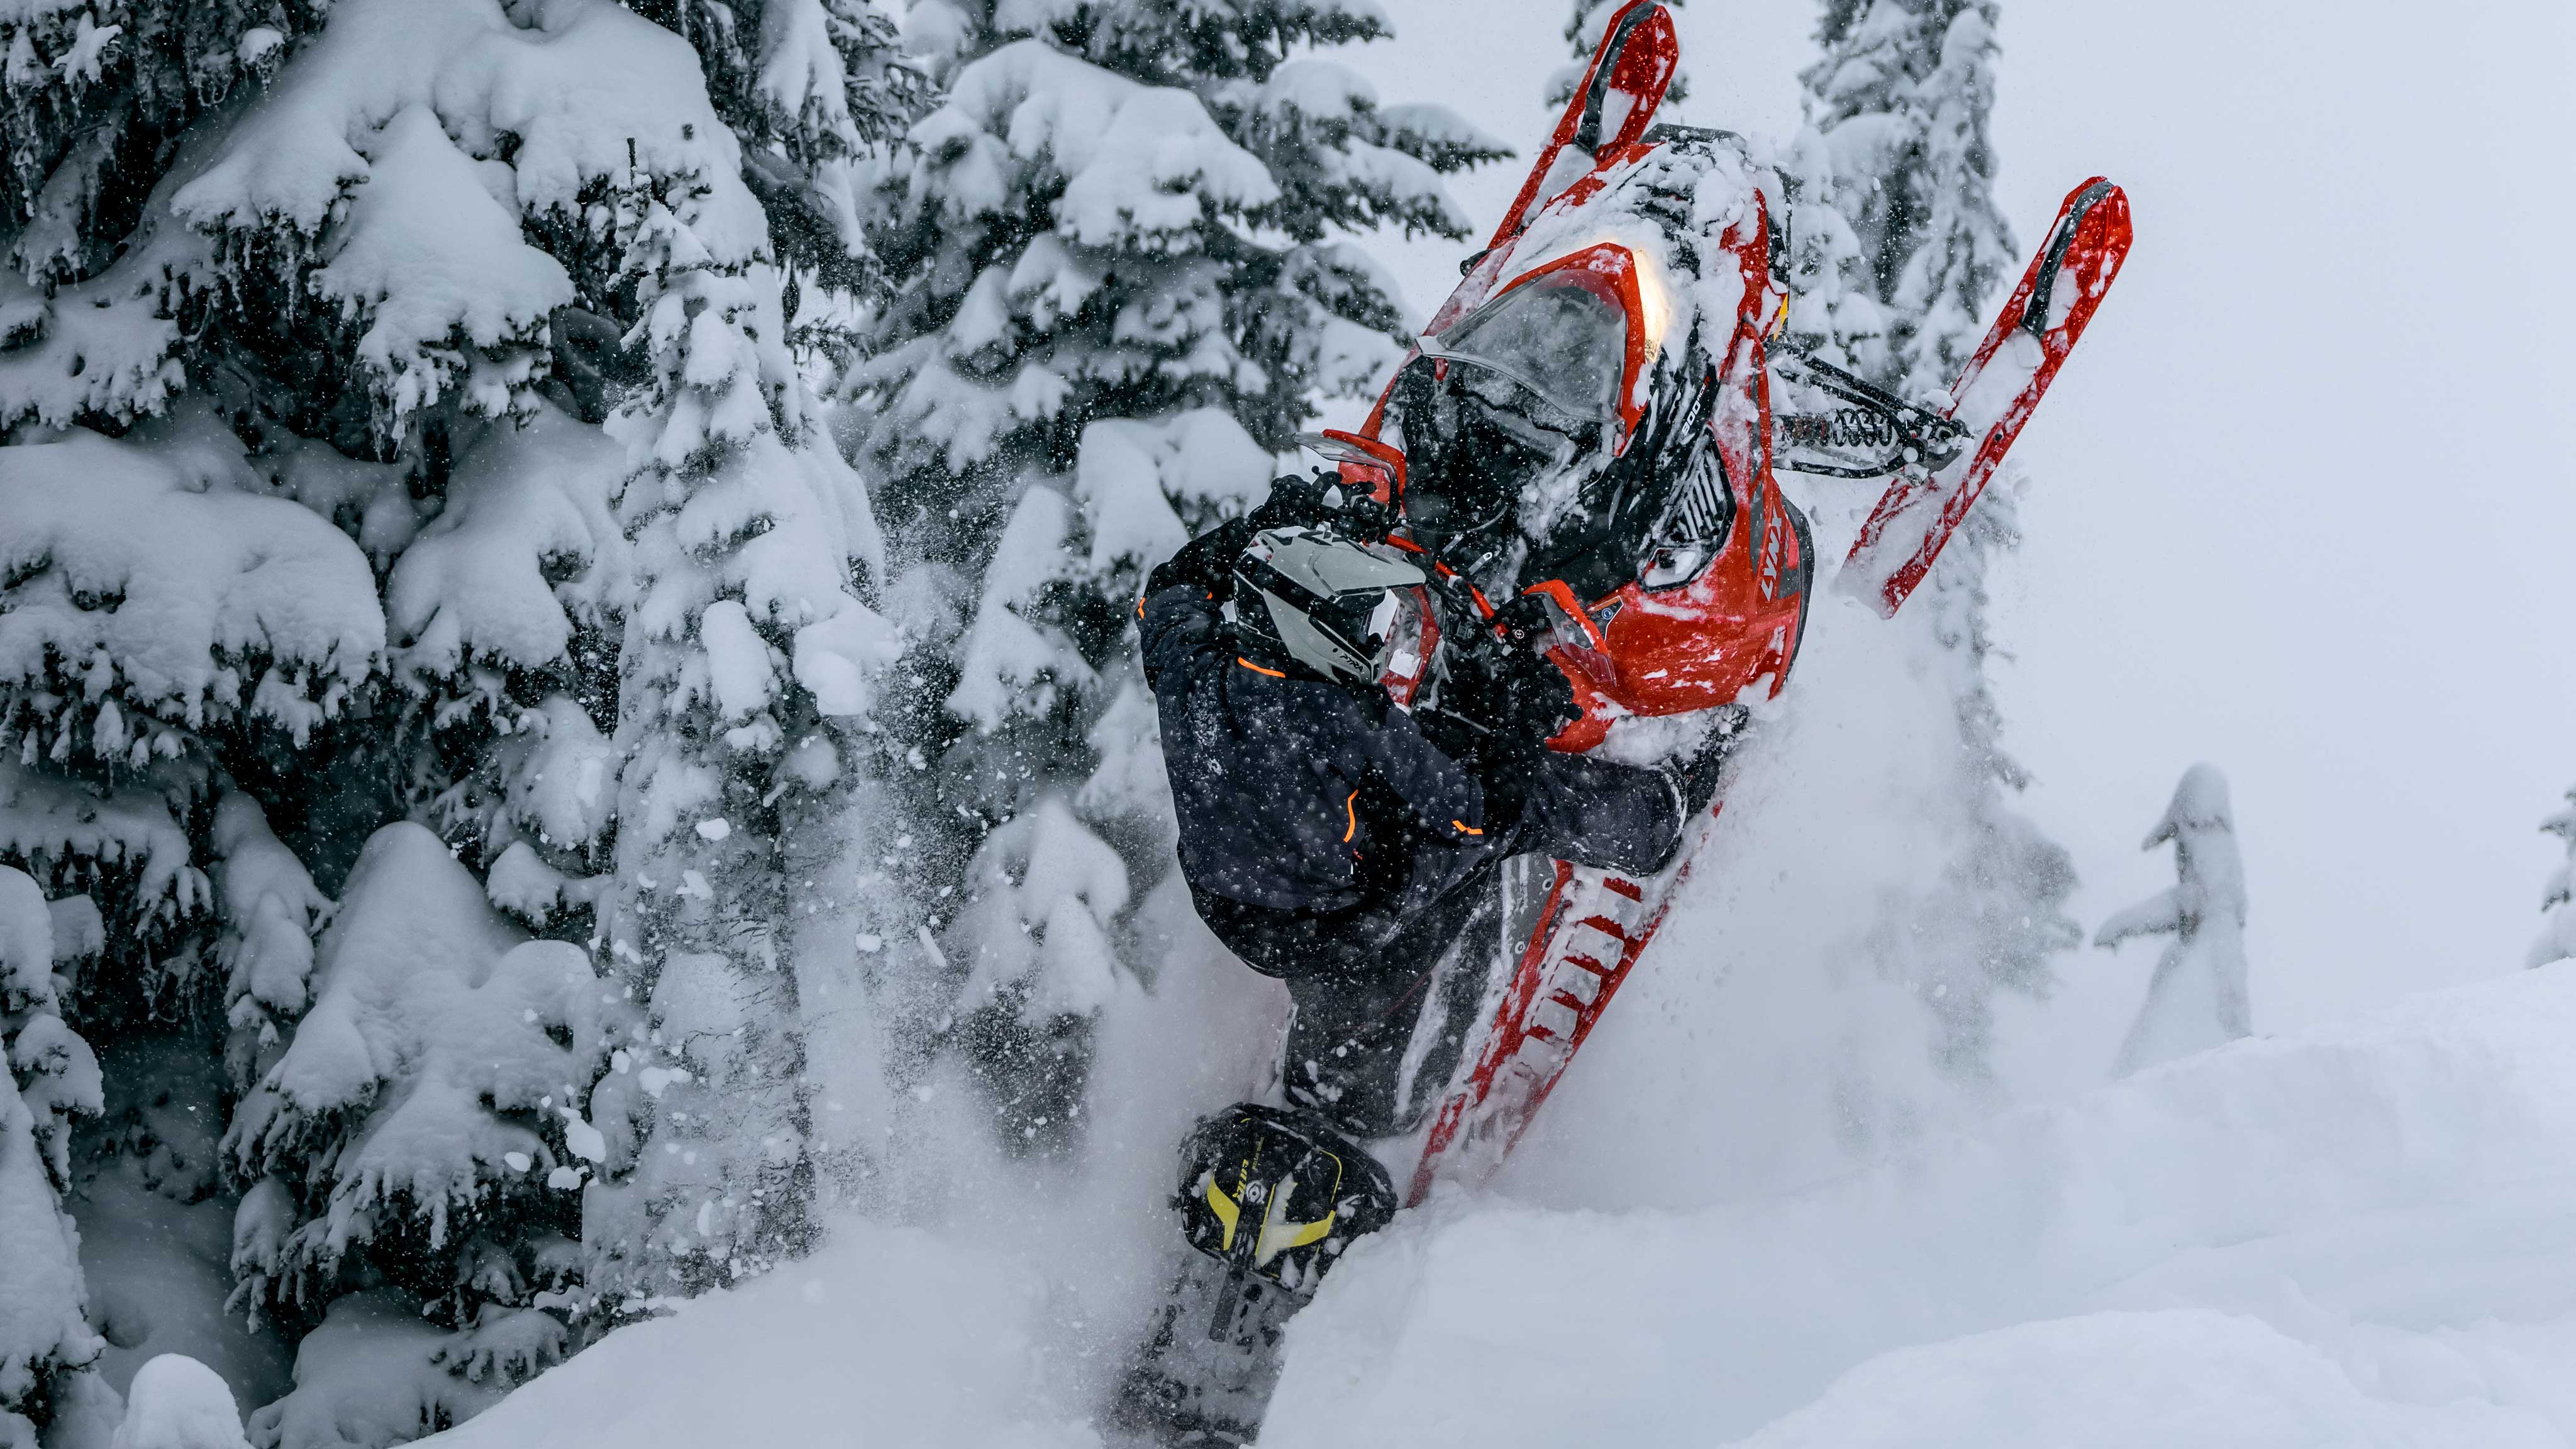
(1675,564)
(1654,307)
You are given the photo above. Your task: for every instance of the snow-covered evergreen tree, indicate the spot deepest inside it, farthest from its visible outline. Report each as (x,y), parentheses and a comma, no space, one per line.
(92,97)
(1117,292)
(50,1077)
(164,620)
(2197,997)
(1898,251)
(745,635)
(1902,99)
(2558,895)
(422,1120)
(308,524)
(810,87)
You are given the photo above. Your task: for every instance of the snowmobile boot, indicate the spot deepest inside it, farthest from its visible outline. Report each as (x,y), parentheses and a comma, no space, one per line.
(1269,1198)
(1277,1195)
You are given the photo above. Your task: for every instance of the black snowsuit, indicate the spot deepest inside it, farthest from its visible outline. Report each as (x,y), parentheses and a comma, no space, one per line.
(1328,842)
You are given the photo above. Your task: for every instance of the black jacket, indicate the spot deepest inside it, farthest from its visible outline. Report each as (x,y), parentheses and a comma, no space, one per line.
(1323,834)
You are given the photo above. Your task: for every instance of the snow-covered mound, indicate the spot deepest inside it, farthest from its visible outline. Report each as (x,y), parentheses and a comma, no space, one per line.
(2363,1234)
(2358,1235)
(889,1337)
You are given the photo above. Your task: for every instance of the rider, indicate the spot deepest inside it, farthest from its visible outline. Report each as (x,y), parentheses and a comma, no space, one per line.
(1333,836)
(1360,739)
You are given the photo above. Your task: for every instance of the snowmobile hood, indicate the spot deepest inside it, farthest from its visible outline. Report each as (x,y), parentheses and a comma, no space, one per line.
(1613,314)
(1587,417)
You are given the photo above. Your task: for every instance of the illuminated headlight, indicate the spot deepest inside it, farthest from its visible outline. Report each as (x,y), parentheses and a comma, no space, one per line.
(1654,301)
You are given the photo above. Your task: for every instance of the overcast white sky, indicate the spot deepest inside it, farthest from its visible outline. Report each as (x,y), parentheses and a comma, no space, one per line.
(2303,500)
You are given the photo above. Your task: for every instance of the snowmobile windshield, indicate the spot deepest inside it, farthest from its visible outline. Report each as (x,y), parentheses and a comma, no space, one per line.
(1562,335)
(1477,441)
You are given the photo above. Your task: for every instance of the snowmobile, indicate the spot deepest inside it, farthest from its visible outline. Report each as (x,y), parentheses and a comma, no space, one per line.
(1557,553)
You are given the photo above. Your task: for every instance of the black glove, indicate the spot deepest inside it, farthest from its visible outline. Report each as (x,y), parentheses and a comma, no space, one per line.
(1697,772)
(1503,698)
(1205,563)
(1322,500)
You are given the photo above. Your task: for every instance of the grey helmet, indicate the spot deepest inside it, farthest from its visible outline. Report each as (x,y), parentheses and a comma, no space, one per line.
(1329,604)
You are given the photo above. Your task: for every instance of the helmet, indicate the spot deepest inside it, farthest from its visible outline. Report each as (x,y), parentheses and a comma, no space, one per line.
(1588,418)
(1331,606)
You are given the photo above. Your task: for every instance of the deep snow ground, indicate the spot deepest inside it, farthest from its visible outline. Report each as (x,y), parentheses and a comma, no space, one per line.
(1681,1248)
(2360,1234)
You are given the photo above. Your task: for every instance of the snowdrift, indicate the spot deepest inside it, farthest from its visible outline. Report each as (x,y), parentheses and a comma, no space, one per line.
(889,1337)
(2363,1234)
(2358,1235)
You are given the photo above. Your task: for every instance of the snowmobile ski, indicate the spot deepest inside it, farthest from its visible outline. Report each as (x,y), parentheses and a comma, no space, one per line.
(1994,396)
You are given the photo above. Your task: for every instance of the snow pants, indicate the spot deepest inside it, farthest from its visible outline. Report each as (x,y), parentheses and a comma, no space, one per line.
(1386,994)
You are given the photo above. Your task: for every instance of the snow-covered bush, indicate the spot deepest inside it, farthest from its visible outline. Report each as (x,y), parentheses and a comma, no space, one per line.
(50,1078)
(163,620)
(176,1402)
(424,1127)
(1898,251)
(163,617)
(2558,937)
(1117,291)
(2197,997)
(309,524)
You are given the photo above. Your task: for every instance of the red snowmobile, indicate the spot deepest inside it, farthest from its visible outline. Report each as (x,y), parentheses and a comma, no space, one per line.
(1584,442)
(1639,265)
